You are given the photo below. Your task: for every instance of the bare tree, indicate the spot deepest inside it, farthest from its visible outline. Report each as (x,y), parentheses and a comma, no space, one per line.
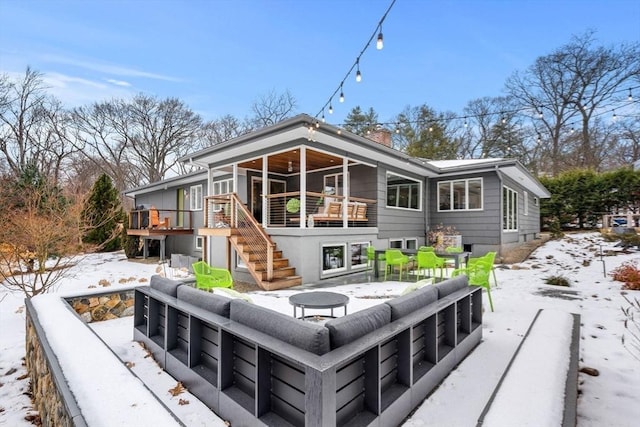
(271,108)
(136,141)
(32,127)
(573,84)
(39,236)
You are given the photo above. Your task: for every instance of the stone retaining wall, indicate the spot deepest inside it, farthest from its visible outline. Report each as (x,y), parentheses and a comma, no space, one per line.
(51,395)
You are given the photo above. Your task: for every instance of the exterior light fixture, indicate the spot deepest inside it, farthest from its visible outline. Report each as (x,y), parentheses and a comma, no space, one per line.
(379,42)
(358,74)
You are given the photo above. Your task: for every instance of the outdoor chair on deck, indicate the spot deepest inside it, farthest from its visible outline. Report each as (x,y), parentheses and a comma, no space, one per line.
(154,219)
(426,249)
(451,263)
(371,257)
(427,260)
(478,275)
(208,277)
(395,257)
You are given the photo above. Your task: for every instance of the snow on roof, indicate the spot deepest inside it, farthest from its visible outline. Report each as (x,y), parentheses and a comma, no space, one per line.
(443,164)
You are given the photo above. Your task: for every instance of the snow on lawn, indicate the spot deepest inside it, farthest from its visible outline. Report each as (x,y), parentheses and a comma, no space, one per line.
(610,398)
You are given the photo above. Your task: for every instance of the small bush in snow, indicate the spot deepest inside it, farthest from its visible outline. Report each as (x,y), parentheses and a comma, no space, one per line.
(557,281)
(629,274)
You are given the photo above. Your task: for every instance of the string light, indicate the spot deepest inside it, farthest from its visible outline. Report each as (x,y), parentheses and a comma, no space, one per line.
(356,64)
(330,108)
(630,97)
(323,120)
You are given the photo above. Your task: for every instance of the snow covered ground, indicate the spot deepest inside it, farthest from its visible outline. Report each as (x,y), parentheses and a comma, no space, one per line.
(610,398)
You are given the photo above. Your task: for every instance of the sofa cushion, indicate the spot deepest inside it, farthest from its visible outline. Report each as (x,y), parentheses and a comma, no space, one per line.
(162,284)
(305,335)
(208,301)
(412,301)
(346,329)
(449,286)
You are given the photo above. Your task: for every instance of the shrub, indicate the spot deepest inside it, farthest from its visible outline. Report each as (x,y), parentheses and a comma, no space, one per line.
(629,274)
(557,281)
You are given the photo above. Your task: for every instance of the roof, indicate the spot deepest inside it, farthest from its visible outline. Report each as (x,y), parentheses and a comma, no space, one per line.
(189,178)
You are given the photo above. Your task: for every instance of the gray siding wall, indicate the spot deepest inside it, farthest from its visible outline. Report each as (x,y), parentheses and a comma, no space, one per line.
(483,228)
(395,223)
(168,199)
(528,225)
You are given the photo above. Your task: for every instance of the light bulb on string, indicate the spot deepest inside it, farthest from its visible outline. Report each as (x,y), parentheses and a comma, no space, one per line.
(503,119)
(323,120)
(540,112)
(615,117)
(630,97)
(466,124)
(397,127)
(379,42)
(341,94)
(539,138)
(358,74)
(330,108)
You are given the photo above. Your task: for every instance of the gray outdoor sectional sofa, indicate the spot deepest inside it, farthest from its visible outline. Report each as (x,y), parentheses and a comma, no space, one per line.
(254,366)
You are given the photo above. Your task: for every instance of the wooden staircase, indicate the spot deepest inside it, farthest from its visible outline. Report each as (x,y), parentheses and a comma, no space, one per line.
(264,261)
(284,276)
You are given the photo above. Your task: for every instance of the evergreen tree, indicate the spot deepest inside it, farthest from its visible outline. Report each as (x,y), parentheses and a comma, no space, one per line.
(361,123)
(103,216)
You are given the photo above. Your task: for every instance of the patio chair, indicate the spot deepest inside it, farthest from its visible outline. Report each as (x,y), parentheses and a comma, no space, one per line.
(208,277)
(429,261)
(451,263)
(490,258)
(154,219)
(426,249)
(395,257)
(478,275)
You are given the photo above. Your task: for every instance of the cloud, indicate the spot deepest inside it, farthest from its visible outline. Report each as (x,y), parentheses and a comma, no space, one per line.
(108,68)
(75,91)
(119,82)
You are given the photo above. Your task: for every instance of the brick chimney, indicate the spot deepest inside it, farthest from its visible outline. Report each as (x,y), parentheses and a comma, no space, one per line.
(381,136)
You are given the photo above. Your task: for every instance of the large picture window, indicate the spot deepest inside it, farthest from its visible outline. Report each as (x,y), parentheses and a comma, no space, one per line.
(509,209)
(403,192)
(333,258)
(460,195)
(359,255)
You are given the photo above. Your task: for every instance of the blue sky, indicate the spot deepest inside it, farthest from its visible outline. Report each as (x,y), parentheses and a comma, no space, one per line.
(218,56)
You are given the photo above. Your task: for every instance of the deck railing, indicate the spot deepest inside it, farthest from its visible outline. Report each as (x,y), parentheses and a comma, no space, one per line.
(227,210)
(321,210)
(169,219)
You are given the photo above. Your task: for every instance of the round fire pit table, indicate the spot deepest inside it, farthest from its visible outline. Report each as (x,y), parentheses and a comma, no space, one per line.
(318,300)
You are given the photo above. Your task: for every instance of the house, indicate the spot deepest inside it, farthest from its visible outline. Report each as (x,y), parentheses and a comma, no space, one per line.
(303,200)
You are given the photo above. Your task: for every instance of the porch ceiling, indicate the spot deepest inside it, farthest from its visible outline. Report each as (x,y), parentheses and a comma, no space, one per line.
(279,163)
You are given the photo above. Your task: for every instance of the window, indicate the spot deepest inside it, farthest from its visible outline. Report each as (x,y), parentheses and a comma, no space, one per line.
(223,187)
(411,243)
(535,201)
(509,209)
(403,192)
(333,258)
(333,184)
(525,196)
(359,254)
(195,197)
(460,195)
(199,242)
(395,243)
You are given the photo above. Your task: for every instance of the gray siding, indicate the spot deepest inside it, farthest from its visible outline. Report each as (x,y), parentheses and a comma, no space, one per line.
(528,225)
(479,228)
(399,223)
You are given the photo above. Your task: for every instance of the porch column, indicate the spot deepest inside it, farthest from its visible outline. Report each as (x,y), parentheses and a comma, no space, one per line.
(345,186)
(265,188)
(303,187)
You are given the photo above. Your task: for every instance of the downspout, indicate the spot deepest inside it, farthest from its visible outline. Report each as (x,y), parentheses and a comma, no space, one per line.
(501,208)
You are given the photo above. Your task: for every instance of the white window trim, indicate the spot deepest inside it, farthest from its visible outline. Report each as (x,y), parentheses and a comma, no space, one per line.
(196,197)
(466,194)
(536,201)
(419,209)
(396,240)
(358,266)
(216,185)
(199,243)
(406,241)
(344,261)
(525,195)
(510,214)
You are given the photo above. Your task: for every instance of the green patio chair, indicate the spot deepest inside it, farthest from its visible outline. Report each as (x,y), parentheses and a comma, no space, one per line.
(451,263)
(478,275)
(395,257)
(426,249)
(208,277)
(490,258)
(428,261)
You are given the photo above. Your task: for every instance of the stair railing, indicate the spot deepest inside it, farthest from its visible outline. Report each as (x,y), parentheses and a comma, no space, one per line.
(235,213)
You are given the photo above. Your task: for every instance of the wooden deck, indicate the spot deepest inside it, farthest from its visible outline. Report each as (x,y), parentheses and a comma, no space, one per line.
(147,232)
